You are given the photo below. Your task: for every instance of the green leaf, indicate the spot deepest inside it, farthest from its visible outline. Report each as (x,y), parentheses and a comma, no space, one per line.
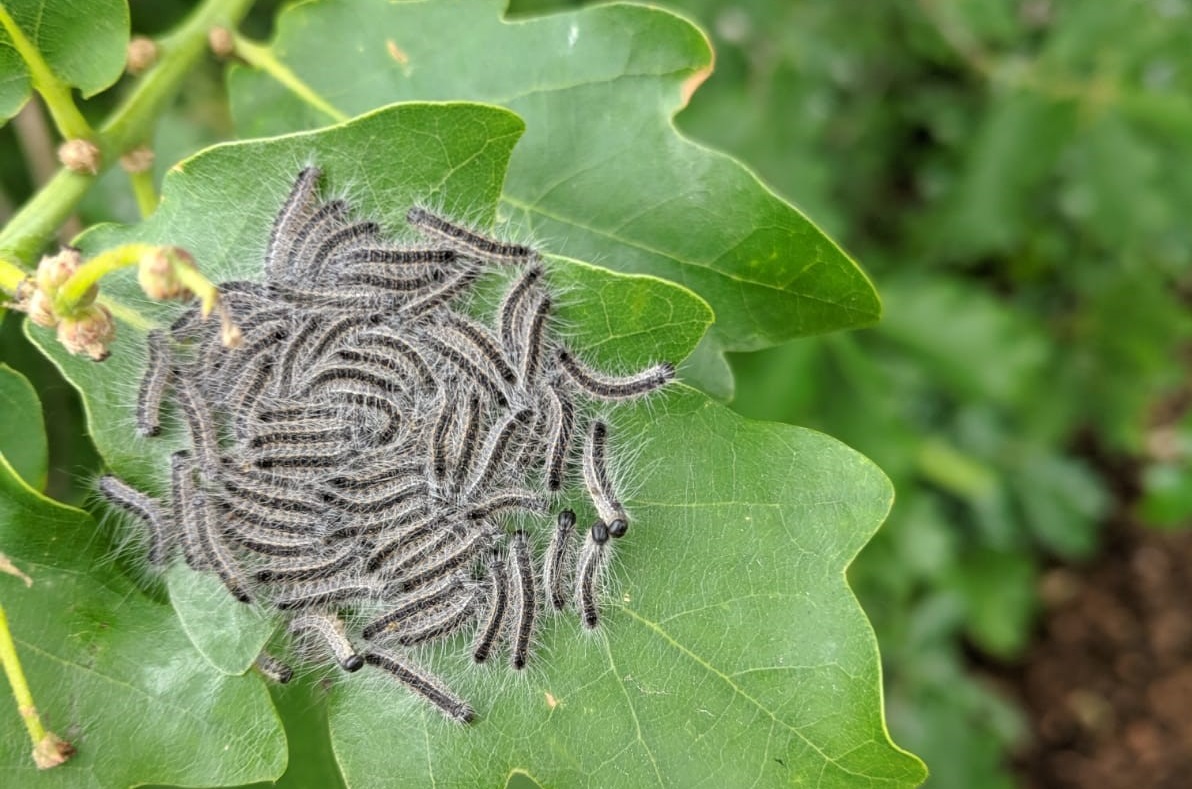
(709,369)
(601,173)
(22,432)
(729,619)
(230,635)
(732,645)
(15,86)
(111,670)
(86,55)
(302,705)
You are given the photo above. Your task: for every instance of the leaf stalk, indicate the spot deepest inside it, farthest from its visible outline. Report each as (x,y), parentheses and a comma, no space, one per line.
(144,191)
(262,58)
(48,749)
(80,283)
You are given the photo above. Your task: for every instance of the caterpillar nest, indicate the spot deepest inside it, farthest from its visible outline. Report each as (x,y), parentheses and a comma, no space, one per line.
(361,456)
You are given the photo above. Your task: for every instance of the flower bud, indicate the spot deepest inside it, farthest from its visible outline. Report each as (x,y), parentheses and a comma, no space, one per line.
(158,276)
(40,309)
(142,54)
(53,270)
(138,160)
(81,156)
(89,332)
(221,42)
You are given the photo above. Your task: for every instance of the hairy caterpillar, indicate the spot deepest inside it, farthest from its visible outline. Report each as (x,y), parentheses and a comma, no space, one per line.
(354,465)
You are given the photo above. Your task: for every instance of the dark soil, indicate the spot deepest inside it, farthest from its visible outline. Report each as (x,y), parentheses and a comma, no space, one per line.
(1107,685)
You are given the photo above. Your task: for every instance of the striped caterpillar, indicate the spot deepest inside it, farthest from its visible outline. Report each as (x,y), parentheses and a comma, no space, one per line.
(353,465)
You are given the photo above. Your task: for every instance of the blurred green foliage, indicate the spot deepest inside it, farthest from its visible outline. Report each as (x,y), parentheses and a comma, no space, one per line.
(1016,176)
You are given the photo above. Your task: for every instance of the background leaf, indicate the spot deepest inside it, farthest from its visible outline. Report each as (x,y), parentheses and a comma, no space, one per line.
(22,432)
(970,343)
(112,671)
(601,173)
(729,618)
(83,41)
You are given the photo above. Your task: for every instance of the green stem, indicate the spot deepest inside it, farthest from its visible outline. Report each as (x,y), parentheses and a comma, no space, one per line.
(130,124)
(261,57)
(16,679)
(11,276)
(31,228)
(145,192)
(70,122)
(80,283)
(74,291)
(199,285)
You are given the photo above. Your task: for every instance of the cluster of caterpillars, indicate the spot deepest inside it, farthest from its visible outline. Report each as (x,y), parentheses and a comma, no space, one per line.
(359,457)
